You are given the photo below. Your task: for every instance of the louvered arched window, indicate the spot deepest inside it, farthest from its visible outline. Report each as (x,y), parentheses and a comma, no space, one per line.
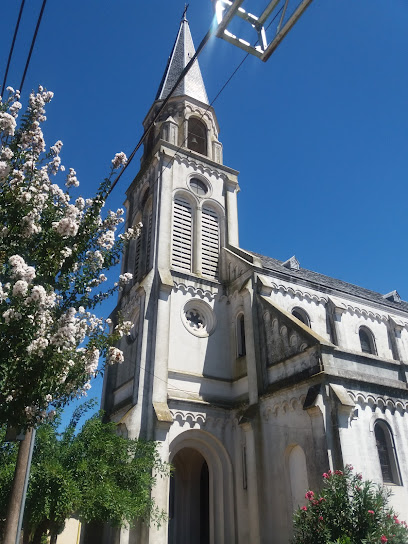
(182,234)
(210,242)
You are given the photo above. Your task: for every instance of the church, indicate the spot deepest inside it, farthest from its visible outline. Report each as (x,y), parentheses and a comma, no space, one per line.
(255,376)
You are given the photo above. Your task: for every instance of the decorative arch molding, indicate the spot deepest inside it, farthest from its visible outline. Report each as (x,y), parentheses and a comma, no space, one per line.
(382,403)
(317,299)
(196,291)
(201,420)
(293,293)
(200,167)
(222,514)
(294,404)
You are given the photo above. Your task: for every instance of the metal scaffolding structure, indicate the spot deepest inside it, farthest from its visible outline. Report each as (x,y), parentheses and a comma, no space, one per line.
(227,10)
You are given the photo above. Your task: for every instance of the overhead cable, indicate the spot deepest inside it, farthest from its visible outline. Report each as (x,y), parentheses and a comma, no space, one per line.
(32,44)
(12,46)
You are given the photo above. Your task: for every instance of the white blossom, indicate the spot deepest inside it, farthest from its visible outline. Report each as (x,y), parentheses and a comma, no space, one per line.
(6,153)
(7,124)
(114,356)
(72,180)
(120,159)
(20,288)
(124,328)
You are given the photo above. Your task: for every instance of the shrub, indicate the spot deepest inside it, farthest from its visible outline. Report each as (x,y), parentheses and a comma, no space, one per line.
(348,510)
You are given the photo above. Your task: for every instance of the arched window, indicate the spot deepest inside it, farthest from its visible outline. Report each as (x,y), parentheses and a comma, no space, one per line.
(386,453)
(241,347)
(197,136)
(367,341)
(300,314)
(182,234)
(210,242)
(143,242)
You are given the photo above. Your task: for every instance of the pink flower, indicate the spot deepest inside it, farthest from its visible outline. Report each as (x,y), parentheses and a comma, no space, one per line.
(338,472)
(397,521)
(320,518)
(360,476)
(384,538)
(371,512)
(325,475)
(309,495)
(304,508)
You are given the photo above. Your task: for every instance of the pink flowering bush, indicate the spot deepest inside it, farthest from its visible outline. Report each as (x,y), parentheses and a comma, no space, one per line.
(54,250)
(348,510)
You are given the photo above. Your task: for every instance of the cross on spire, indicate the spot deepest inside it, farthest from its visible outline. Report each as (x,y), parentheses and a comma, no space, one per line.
(184,18)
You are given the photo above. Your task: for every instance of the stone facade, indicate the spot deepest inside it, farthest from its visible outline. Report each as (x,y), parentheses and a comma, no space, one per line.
(255,376)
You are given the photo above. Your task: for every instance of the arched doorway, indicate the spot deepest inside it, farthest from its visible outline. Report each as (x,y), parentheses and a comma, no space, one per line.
(189,509)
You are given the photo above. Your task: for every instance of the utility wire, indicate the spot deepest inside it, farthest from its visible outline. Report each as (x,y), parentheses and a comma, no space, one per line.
(12,46)
(163,105)
(181,77)
(32,44)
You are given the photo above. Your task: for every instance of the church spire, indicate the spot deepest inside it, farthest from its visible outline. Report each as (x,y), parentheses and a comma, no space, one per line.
(192,85)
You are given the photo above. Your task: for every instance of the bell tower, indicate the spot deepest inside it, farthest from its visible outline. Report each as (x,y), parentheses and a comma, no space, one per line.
(179,355)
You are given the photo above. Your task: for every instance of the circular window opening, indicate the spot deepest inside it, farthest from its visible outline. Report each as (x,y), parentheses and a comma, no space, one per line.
(198,318)
(198,187)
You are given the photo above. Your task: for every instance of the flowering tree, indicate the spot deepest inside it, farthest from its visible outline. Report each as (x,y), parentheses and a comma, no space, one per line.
(348,510)
(53,254)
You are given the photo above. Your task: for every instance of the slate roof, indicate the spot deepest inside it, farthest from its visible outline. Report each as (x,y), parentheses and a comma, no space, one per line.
(192,85)
(325,283)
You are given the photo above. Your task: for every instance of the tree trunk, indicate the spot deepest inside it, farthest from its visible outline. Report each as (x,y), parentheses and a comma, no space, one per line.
(17,492)
(26,535)
(53,539)
(40,531)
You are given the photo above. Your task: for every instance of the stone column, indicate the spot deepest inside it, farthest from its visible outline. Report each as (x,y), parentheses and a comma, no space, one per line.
(160,492)
(232,212)
(250,349)
(161,354)
(252,483)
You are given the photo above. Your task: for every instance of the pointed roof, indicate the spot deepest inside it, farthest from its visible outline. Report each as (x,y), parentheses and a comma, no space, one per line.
(192,85)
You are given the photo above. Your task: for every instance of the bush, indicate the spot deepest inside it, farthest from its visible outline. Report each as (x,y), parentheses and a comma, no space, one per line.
(348,510)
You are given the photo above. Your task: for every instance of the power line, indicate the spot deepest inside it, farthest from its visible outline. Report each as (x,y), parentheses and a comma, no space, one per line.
(12,45)
(32,44)
(181,77)
(163,105)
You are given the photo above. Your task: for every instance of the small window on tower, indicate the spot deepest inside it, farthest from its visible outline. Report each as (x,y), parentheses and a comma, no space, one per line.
(198,187)
(197,136)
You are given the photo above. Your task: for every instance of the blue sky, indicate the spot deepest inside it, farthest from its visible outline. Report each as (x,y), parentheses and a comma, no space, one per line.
(319,133)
